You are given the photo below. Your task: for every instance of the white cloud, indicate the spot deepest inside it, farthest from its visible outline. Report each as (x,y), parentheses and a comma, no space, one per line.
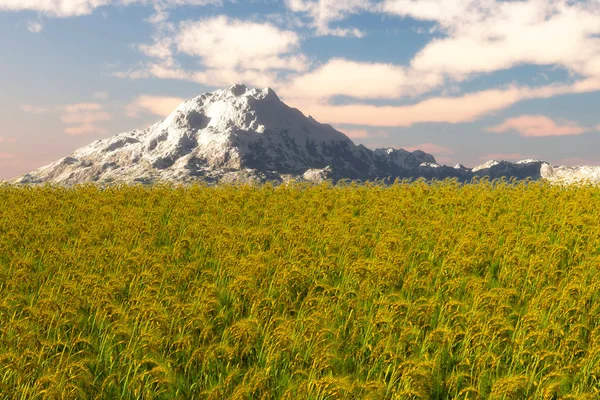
(160,48)
(54,8)
(132,74)
(312,98)
(229,50)
(74,8)
(158,17)
(481,36)
(167,71)
(443,11)
(216,77)
(34,26)
(101,95)
(361,80)
(164,4)
(486,35)
(324,12)
(209,77)
(287,19)
(222,42)
(538,125)
(158,105)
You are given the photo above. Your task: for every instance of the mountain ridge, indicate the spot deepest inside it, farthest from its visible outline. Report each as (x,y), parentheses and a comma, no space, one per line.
(240,134)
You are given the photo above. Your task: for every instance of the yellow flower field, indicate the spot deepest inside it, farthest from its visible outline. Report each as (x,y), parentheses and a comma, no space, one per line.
(413,290)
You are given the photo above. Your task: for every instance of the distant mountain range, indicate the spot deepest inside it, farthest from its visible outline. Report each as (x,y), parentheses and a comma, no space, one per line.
(241,134)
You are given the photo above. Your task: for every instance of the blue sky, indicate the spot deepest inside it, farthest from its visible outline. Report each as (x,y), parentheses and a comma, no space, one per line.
(466,80)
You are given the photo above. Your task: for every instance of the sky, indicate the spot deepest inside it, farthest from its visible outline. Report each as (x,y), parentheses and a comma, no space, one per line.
(465,80)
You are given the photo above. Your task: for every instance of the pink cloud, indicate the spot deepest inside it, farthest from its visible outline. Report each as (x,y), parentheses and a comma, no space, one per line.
(8,140)
(538,125)
(363,133)
(85,117)
(35,110)
(73,108)
(356,133)
(82,118)
(430,148)
(85,129)
(465,108)
(4,156)
(69,108)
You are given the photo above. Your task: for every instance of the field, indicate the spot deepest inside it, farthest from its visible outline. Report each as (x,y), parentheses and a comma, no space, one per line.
(441,291)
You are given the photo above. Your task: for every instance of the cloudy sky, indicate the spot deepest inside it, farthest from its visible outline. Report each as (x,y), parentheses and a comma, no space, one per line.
(466,80)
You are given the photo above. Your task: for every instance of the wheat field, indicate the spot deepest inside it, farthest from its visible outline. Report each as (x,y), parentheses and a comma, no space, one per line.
(407,291)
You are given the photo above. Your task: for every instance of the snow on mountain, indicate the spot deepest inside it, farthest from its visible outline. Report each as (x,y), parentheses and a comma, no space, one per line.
(582,174)
(227,135)
(240,134)
(485,165)
(403,159)
(528,161)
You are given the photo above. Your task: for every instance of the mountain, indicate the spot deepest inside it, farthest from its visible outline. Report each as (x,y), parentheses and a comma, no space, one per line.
(242,134)
(227,135)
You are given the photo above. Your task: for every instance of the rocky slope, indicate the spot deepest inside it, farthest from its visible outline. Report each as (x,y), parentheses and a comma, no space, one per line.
(241,134)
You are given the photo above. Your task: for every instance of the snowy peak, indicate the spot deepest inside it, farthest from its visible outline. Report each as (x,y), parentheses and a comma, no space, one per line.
(222,135)
(237,106)
(486,165)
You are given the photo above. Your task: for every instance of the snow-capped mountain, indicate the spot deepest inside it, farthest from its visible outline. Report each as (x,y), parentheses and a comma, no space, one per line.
(232,134)
(242,134)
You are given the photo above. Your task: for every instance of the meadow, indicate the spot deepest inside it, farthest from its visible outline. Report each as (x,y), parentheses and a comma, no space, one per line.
(409,291)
